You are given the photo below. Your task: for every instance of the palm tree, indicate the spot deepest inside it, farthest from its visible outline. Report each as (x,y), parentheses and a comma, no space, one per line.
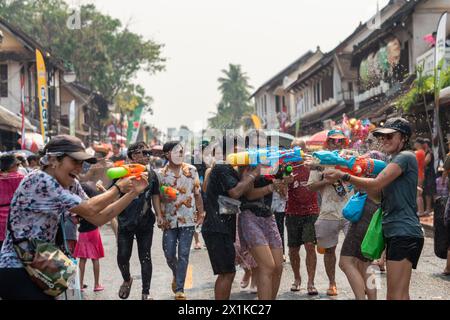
(235,102)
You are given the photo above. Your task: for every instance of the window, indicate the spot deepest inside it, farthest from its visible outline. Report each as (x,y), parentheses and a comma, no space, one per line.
(4,81)
(277,104)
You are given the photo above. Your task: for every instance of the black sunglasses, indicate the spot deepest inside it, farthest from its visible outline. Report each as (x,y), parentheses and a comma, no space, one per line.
(388,136)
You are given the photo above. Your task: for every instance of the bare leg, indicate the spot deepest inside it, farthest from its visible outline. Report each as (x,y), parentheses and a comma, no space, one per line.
(246,278)
(197,243)
(398,279)
(96,264)
(82,269)
(277,255)
(223,286)
(330,265)
(294,256)
(356,279)
(115,226)
(266,271)
(447,269)
(254,282)
(370,278)
(420,204)
(429,201)
(311,263)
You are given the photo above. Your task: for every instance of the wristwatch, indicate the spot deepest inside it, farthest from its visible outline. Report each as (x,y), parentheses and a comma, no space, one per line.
(346,177)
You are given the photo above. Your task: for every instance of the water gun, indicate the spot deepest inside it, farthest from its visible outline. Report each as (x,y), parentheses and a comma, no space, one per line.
(269,157)
(122,170)
(283,171)
(169,192)
(356,166)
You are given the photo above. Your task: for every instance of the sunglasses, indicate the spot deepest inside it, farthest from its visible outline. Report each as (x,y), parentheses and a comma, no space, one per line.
(388,136)
(336,141)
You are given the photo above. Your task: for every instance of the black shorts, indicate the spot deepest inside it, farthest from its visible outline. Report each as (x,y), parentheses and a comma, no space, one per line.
(221,252)
(401,248)
(300,230)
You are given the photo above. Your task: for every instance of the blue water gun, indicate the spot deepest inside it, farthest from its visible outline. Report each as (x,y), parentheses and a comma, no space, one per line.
(356,166)
(267,157)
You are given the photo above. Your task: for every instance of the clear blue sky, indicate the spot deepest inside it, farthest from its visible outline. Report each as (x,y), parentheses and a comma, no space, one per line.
(202,37)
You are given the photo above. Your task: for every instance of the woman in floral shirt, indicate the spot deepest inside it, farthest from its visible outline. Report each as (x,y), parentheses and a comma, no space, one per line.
(43,197)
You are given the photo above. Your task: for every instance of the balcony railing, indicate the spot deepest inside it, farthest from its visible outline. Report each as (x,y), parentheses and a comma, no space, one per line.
(344,96)
(427,60)
(383,87)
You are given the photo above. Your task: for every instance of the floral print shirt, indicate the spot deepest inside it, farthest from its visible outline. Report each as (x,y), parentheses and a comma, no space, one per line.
(36,210)
(180,213)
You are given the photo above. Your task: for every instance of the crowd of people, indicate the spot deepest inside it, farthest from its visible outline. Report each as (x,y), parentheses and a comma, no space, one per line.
(241,213)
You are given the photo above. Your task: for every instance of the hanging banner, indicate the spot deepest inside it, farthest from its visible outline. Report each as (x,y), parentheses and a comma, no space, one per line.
(134,125)
(440,46)
(439,61)
(42,93)
(22,104)
(72,118)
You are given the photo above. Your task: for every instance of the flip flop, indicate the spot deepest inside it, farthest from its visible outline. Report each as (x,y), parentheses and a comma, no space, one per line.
(124,291)
(295,287)
(312,291)
(99,288)
(332,291)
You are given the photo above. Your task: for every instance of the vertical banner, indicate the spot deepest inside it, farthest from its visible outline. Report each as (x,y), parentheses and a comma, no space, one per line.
(440,46)
(22,105)
(72,118)
(42,93)
(439,59)
(134,125)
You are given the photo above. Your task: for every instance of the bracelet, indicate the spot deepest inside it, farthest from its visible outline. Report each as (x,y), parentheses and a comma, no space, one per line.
(121,194)
(253,177)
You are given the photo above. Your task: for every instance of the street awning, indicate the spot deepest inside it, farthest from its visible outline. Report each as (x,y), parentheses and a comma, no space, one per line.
(12,122)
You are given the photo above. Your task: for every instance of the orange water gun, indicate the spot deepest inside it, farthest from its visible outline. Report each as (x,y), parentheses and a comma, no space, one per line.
(122,170)
(169,192)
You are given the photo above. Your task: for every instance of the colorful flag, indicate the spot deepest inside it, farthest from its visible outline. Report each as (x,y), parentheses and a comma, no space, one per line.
(42,93)
(134,125)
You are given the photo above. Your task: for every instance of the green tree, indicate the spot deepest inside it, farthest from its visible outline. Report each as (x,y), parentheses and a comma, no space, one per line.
(235,103)
(106,55)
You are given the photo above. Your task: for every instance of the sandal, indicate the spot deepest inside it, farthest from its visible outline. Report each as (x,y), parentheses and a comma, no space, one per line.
(295,287)
(332,291)
(312,291)
(99,288)
(125,289)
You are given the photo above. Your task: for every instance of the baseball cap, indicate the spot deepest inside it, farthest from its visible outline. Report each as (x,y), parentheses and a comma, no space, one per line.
(71,146)
(394,125)
(336,134)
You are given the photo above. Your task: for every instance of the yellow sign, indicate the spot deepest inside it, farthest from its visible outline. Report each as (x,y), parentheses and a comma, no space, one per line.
(42,93)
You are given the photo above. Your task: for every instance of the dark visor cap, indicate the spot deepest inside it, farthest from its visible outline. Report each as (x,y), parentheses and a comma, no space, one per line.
(394,125)
(71,146)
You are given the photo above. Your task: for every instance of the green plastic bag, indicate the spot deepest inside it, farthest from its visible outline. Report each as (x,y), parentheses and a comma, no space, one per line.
(372,246)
